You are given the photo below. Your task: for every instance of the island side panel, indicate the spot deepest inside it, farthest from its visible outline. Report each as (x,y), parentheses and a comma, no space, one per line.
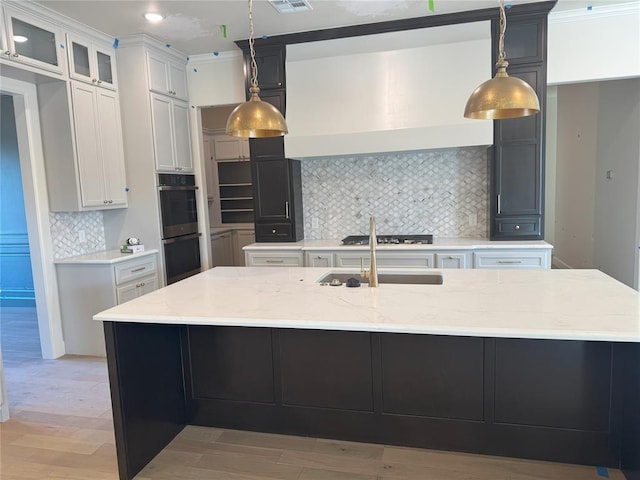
(631,410)
(147,390)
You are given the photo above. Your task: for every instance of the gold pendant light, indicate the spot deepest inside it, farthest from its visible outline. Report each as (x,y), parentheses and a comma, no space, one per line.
(255,118)
(502,96)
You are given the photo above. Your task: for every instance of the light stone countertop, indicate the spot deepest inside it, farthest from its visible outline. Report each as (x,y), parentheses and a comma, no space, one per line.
(438,244)
(105,256)
(546,304)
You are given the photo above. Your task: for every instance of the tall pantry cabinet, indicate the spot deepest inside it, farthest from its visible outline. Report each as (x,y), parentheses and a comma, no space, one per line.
(156,131)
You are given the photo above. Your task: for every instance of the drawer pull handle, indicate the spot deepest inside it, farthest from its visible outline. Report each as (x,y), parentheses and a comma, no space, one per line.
(509,262)
(275,261)
(138,269)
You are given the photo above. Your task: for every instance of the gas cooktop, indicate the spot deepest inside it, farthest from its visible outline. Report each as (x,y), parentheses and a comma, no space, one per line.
(389,240)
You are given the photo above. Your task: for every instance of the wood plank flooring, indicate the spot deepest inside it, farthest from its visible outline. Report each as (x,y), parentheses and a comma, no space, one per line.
(61,428)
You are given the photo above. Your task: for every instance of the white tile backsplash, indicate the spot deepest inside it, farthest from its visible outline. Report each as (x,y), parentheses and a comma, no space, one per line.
(434,191)
(65,229)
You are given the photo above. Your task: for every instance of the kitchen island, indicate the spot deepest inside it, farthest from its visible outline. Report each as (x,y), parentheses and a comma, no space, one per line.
(539,364)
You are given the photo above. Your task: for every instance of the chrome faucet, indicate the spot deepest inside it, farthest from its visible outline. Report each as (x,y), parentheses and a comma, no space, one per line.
(372,273)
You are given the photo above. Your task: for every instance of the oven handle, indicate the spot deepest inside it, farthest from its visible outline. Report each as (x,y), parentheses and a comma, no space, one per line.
(180,239)
(183,187)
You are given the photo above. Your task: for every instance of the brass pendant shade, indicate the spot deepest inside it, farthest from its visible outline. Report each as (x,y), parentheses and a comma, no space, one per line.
(256,119)
(503,96)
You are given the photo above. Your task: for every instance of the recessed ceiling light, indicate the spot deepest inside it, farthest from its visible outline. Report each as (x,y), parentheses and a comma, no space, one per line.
(153,17)
(20,38)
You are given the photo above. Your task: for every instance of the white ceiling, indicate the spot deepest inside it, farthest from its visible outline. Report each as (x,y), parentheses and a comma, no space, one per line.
(195,27)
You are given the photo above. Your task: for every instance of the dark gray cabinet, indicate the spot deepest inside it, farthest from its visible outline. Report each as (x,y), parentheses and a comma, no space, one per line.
(270,63)
(277,188)
(517,155)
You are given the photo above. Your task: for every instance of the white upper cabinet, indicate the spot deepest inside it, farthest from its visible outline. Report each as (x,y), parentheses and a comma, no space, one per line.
(166,76)
(91,62)
(226,147)
(99,147)
(171,134)
(32,41)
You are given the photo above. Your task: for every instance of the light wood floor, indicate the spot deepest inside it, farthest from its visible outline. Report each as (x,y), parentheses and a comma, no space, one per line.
(61,428)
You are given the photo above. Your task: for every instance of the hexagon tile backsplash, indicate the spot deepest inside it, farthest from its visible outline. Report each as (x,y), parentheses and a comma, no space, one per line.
(65,228)
(443,192)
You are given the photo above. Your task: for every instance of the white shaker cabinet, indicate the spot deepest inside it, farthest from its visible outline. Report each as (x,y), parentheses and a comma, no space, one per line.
(222,249)
(453,260)
(171,135)
(91,283)
(99,146)
(226,147)
(92,62)
(30,40)
(166,76)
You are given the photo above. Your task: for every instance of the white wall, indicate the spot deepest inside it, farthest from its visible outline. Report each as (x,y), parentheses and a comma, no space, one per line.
(577,132)
(598,44)
(618,151)
(216,80)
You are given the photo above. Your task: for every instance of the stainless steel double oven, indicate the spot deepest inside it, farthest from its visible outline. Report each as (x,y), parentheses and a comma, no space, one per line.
(180,236)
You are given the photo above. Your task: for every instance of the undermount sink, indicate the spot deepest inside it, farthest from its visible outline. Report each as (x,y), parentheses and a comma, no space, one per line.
(395,278)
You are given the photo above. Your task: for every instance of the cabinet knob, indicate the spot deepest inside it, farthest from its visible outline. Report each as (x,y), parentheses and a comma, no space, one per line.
(15,55)
(104,201)
(7,52)
(450,257)
(273,231)
(110,201)
(99,82)
(517,227)
(93,80)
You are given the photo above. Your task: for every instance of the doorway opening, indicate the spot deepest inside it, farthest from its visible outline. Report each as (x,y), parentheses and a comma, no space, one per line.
(20,337)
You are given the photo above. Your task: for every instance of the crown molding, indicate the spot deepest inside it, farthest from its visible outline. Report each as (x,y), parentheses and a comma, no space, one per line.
(207,58)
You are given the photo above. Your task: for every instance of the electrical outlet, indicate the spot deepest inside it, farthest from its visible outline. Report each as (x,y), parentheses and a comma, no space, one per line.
(314,222)
(81,236)
(473,219)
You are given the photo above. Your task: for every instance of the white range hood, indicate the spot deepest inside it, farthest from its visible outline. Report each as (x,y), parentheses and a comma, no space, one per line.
(387,93)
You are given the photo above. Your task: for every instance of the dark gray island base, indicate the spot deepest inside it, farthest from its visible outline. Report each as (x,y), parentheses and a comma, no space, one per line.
(559,400)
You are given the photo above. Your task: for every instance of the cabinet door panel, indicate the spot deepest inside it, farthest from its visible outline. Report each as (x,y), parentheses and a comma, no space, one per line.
(525,128)
(42,48)
(112,152)
(80,68)
(518,178)
(451,260)
(92,185)
(105,68)
(434,376)
(162,132)
(126,293)
(148,285)
(232,363)
(272,189)
(227,148)
(531,389)
(182,134)
(158,74)
(178,81)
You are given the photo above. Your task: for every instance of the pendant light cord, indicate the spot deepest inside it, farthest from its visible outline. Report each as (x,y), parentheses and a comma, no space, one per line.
(503,29)
(254,65)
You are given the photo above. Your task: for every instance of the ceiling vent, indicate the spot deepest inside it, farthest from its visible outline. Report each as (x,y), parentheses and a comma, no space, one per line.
(290,6)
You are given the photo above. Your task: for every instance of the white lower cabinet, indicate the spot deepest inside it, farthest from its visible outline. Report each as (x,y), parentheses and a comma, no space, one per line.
(318,259)
(385,259)
(453,260)
(241,238)
(222,250)
(527,259)
(88,286)
(274,258)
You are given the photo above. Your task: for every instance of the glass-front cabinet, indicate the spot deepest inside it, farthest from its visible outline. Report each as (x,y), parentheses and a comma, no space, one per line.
(91,63)
(32,41)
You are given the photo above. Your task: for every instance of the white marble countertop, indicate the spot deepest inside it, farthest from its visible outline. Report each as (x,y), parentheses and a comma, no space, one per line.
(105,256)
(550,304)
(438,244)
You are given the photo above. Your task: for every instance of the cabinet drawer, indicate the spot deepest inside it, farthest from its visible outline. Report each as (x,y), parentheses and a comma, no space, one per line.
(386,259)
(538,259)
(451,260)
(318,259)
(517,227)
(138,268)
(274,232)
(136,289)
(271,259)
